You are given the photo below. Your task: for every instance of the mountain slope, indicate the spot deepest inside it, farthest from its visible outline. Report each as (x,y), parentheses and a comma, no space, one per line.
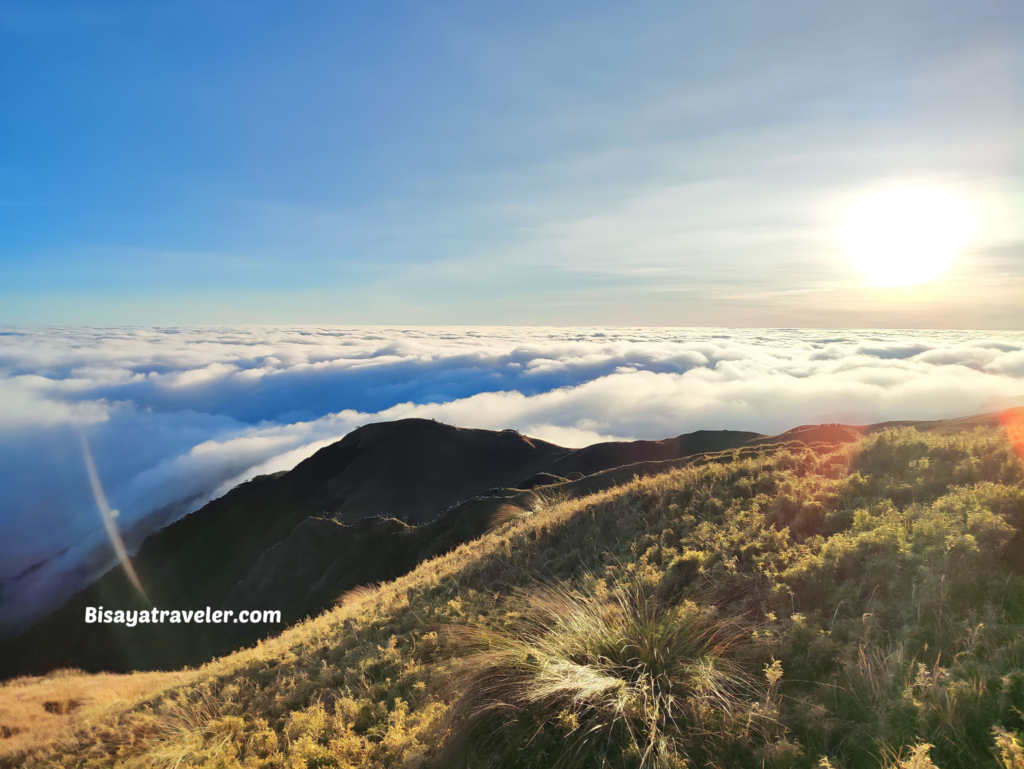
(852,603)
(412,469)
(261,545)
(294,541)
(604,456)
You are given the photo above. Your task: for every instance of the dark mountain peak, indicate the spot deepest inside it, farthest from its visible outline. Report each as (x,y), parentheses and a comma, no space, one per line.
(365,508)
(417,429)
(389,452)
(823,433)
(413,468)
(604,456)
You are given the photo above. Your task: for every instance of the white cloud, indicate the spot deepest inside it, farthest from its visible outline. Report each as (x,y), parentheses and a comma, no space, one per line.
(174,414)
(25,401)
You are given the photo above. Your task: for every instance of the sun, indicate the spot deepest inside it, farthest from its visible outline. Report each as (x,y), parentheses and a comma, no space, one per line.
(906,235)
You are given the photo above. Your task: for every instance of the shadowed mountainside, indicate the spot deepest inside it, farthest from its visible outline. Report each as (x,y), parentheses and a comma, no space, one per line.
(411,469)
(797,602)
(602,456)
(365,509)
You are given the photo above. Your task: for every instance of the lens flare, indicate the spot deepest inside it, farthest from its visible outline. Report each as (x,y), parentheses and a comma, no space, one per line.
(108,516)
(1013,424)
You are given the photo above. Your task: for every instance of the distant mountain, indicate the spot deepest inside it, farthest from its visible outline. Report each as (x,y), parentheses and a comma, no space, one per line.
(365,509)
(411,470)
(815,583)
(603,456)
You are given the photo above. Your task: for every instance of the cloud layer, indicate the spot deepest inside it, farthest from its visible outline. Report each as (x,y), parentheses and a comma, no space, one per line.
(177,416)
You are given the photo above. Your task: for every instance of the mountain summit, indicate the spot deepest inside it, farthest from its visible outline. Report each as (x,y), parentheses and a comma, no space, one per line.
(365,509)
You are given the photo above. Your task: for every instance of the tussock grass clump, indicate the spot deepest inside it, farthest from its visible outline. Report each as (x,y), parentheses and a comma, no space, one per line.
(357,594)
(871,615)
(606,674)
(187,730)
(507,513)
(533,503)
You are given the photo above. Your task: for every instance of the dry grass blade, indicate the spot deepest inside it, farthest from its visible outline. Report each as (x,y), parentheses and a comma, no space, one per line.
(33,709)
(607,672)
(358,594)
(919,757)
(1009,748)
(190,730)
(506,514)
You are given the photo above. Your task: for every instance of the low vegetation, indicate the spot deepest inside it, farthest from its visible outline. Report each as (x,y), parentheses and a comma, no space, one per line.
(602,673)
(848,606)
(36,709)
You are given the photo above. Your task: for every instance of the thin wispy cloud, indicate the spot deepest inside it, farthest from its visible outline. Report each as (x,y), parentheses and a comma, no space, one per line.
(685,163)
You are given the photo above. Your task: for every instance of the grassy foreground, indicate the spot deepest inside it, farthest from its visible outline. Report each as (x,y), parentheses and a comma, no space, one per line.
(35,709)
(852,606)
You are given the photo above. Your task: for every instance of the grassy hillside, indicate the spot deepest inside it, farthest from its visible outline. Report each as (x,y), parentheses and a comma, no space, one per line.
(295,540)
(857,605)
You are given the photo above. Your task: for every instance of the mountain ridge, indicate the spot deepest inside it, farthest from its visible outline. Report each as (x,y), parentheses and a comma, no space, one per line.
(842,599)
(364,509)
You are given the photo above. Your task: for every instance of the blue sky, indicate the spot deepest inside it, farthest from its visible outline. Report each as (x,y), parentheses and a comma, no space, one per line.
(664,163)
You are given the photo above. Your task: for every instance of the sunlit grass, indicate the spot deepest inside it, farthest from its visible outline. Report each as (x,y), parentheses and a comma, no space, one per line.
(36,709)
(802,607)
(604,669)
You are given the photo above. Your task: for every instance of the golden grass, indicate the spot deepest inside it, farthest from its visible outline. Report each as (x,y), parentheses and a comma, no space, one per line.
(842,593)
(599,661)
(34,710)
(1011,751)
(358,594)
(917,757)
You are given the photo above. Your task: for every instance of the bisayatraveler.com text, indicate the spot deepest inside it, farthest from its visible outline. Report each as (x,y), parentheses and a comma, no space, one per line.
(133,617)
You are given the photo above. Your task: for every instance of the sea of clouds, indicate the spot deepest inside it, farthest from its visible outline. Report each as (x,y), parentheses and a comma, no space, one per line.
(177,416)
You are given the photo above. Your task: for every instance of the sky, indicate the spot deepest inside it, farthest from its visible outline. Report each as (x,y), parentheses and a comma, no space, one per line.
(177,416)
(656,164)
(231,232)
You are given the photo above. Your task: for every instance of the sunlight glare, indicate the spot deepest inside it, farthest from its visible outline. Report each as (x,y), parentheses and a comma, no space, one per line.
(907,235)
(108,516)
